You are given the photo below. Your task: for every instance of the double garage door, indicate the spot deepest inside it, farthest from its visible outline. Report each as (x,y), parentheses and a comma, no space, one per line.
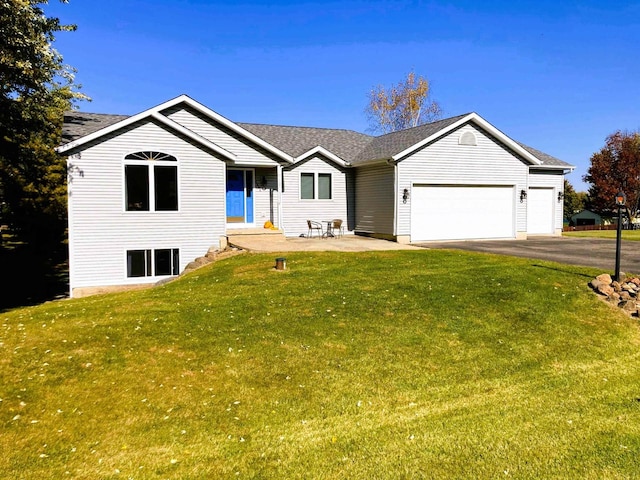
(459,212)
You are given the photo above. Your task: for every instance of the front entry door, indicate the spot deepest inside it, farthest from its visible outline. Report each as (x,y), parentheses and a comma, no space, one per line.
(239,196)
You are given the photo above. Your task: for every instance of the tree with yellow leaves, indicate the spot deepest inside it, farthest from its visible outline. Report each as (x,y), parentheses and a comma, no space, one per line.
(405,105)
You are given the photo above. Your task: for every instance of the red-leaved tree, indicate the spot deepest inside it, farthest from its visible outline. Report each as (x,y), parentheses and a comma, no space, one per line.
(616,167)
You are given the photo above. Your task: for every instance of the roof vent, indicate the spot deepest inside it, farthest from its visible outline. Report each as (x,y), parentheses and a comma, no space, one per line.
(467,138)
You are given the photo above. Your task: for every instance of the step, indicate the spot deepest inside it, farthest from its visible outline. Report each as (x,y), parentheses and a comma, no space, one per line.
(236,232)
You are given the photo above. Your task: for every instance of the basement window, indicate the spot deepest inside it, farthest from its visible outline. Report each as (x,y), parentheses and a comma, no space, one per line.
(153,263)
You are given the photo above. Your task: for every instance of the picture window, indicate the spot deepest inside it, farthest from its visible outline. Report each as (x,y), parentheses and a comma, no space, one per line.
(315,186)
(151,182)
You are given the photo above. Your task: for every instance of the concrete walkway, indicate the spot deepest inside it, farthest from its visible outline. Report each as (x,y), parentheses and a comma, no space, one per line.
(348,243)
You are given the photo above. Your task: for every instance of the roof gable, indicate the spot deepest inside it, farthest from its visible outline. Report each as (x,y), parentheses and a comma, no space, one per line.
(386,146)
(114,123)
(292,144)
(396,146)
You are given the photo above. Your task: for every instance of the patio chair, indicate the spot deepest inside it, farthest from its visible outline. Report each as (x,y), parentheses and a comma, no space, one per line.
(337,228)
(314,226)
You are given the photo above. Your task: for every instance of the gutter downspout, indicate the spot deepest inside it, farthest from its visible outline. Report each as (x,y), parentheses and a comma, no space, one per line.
(279,173)
(70,232)
(395,198)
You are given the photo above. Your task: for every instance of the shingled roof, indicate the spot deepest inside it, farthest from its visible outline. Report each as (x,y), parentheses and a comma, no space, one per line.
(295,141)
(386,146)
(79,124)
(351,146)
(546,159)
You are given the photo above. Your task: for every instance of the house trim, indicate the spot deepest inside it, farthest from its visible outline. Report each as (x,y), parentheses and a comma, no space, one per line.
(478,120)
(156,114)
(326,153)
(245,224)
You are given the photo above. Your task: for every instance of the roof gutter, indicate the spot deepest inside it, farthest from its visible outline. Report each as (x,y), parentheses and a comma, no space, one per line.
(565,168)
(371,162)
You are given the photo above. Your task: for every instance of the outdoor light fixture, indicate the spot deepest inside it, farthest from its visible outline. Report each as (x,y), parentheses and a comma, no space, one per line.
(560,196)
(621,200)
(263,182)
(523,195)
(405,195)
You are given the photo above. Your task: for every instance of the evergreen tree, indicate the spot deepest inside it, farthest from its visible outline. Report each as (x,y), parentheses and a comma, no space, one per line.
(36,88)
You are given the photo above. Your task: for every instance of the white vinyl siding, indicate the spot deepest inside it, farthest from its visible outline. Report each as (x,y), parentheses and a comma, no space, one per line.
(550,179)
(247,153)
(265,197)
(296,210)
(101,232)
(446,162)
(374,202)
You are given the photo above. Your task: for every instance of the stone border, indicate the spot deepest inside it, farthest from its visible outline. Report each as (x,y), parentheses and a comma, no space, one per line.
(212,255)
(624,294)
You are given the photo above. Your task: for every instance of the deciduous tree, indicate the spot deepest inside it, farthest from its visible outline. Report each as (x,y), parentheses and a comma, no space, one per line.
(573,201)
(407,104)
(615,167)
(36,88)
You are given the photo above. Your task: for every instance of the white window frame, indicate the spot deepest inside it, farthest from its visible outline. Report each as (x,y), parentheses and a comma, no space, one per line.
(150,164)
(150,268)
(316,189)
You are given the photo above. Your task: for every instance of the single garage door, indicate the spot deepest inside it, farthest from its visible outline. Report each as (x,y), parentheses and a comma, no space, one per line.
(459,212)
(540,208)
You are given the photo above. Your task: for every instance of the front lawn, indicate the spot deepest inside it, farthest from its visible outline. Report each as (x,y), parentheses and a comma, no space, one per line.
(408,364)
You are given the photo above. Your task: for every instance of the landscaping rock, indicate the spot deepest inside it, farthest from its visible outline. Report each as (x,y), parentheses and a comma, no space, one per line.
(614,298)
(604,278)
(624,294)
(628,287)
(629,306)
(604,289)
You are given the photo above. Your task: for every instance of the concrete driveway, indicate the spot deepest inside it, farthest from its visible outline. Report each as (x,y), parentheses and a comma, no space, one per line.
(590,252)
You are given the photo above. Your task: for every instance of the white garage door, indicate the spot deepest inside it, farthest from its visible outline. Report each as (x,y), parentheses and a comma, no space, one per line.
(540,208)
(447,212)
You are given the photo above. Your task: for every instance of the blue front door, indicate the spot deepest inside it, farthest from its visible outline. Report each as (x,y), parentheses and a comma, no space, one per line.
(239,196)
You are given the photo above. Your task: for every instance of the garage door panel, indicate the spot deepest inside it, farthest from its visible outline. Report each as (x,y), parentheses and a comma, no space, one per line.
(446,212)
(540,207)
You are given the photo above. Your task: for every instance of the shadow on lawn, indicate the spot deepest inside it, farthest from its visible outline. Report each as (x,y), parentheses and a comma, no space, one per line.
(568,269)
(30,277)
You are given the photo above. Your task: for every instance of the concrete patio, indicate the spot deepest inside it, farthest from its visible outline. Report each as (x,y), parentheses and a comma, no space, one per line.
(279,243)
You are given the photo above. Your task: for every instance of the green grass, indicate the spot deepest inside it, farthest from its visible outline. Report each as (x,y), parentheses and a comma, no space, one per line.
(411,364)
(633,235)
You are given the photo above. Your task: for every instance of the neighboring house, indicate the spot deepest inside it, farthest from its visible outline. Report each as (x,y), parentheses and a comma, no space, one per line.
(148,193)
(585,217)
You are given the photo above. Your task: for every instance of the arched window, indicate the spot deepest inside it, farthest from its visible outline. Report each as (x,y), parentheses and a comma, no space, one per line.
(151,156)
(151,182)
(467,138)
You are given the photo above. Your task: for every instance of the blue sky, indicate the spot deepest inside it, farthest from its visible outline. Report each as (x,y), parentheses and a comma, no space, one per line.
(557,75)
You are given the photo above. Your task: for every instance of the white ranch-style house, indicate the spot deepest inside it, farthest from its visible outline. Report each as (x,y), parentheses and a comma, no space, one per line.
(149,193)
